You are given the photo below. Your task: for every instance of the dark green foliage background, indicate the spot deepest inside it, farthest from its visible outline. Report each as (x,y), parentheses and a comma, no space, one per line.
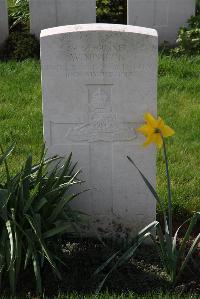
(20,46)
(112,11)
(189,38)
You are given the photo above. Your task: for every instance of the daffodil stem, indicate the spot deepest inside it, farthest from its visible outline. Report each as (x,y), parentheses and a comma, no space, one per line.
(169,189)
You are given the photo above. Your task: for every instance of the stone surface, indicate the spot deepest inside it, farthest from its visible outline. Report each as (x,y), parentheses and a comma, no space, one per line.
(4,31)
(98,80)
(52,13)
(166,16)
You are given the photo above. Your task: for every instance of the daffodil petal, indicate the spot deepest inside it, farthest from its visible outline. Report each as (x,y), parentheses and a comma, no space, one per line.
(154,130)
(167,131)
(146,130)
(157,139)
(150,119)
(148,141)
(160,123)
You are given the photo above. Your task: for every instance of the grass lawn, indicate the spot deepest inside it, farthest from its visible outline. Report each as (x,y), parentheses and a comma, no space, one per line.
(178,104)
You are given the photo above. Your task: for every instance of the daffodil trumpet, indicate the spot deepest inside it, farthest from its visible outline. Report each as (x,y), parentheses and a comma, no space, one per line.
(155,130)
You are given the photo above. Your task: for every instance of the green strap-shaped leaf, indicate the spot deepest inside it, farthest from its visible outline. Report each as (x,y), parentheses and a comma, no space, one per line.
(6,154)
(104,265)
(189,231)
(39,204)
(11,242)
(189,255)
(63,172)
(164,254)
(26,178)
(151,188)
(139,239)
(126,256)
(42,243)
(3,250)
(4,196)
(3,159)
(36,167)
(60,206)
(27,256)
(36,267)
(56,231)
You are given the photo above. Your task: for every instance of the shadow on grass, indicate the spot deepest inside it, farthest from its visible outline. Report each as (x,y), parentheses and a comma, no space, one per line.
(143,274)
(140,275)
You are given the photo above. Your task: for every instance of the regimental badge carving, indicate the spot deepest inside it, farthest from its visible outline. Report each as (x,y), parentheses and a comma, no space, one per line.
(103,124)
(99,101)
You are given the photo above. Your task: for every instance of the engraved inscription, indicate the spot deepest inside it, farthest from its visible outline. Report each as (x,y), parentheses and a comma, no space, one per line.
(101,56)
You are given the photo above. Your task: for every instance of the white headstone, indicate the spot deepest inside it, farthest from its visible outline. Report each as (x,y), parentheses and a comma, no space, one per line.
(4,31)
(98,80)
(166,16)
(52,13)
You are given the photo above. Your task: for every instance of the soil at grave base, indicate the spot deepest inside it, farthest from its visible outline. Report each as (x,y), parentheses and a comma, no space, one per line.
(142,274)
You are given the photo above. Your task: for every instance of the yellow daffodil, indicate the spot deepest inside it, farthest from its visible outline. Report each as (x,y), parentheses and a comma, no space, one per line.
(155,129)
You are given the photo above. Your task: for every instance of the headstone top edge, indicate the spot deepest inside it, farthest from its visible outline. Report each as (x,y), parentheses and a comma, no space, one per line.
(98,27)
